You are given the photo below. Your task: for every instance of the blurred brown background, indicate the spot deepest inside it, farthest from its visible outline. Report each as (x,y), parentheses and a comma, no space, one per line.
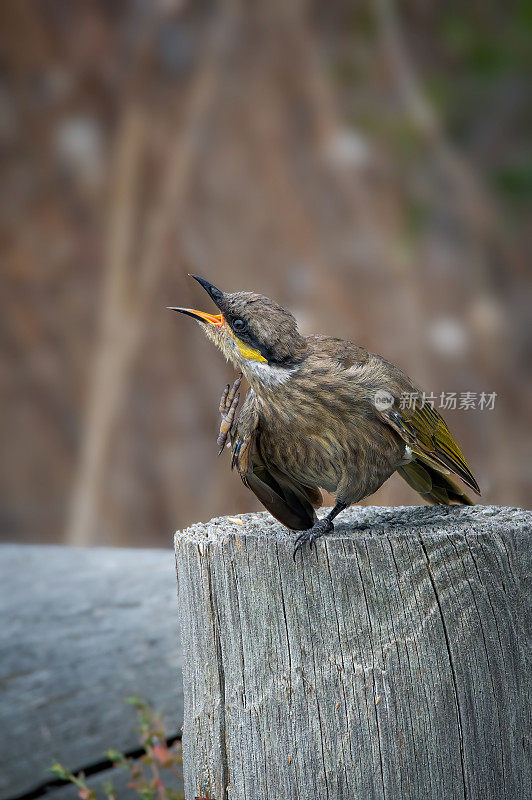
(367,164)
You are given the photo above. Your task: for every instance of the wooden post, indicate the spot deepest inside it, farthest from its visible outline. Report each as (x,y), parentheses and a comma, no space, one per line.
(390,663)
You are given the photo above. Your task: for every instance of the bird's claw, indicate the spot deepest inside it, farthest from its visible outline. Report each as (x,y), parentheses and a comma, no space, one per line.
(320,528)
(228,405)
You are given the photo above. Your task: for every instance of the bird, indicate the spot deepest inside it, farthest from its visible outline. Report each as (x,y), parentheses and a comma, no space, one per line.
(321,413)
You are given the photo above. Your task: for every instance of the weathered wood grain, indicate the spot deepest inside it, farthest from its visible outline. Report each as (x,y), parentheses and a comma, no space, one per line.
(82,629)
(391,663)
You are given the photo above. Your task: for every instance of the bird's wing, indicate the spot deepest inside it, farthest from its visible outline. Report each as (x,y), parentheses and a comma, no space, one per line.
(426,433)
(421,427)
(286,499)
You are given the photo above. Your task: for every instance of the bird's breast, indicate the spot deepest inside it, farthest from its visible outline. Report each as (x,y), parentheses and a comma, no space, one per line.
(305,437)
(311,460)
(321,433)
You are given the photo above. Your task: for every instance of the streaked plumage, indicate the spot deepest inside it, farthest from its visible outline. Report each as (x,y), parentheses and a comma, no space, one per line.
(310,418)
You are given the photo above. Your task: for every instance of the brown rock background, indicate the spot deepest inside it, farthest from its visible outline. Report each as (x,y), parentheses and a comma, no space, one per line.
(366,164)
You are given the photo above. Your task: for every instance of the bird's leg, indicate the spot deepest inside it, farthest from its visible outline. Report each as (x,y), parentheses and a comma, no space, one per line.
(320,528)
(228,405)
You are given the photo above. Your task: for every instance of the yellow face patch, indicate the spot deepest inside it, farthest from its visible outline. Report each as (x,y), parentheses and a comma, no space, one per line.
(249,352)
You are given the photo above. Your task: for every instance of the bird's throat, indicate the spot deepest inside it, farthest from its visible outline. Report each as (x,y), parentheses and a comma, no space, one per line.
(263,376)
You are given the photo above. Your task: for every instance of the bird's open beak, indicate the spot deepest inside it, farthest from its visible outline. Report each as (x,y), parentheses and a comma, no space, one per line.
(201,316)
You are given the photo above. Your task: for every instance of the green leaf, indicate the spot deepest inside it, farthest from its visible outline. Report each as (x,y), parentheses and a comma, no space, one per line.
(137,702)
(60,772)
(116,757)
(109,790)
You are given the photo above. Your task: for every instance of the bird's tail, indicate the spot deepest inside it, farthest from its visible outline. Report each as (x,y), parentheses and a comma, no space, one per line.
(433,486)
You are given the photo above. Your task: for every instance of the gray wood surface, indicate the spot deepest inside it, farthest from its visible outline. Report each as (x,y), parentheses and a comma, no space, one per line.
(82,629)
(391,663)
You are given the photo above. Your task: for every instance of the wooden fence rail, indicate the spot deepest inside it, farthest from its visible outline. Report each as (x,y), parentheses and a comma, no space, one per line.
(80,630)
(390,663)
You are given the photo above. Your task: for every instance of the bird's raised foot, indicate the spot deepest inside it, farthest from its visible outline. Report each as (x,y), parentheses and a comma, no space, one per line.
(228,405)
(320,528)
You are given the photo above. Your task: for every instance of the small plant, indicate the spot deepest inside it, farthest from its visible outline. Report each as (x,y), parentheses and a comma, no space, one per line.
(147,772)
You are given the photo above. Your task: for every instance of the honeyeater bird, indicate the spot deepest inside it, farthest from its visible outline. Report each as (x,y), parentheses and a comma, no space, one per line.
(322,413)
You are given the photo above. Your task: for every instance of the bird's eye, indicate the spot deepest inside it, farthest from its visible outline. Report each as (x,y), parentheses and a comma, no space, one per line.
(239,324)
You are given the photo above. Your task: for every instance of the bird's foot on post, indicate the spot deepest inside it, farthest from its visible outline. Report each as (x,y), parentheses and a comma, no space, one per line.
(320,528)
(228,405)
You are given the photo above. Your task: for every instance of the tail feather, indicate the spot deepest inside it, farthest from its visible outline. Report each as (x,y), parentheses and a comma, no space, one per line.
(433,485)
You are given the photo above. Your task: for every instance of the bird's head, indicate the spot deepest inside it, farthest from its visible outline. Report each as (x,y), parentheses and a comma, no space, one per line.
(257,335)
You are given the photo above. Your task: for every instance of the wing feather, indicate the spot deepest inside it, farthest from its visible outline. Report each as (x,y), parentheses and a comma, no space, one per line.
(421,427)
(426,433)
